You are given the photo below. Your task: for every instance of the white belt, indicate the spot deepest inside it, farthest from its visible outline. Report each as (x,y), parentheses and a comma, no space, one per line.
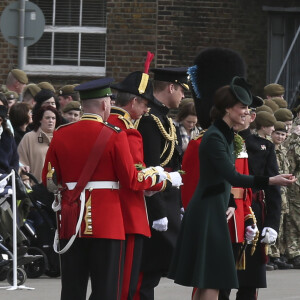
(90,185)
(114,185)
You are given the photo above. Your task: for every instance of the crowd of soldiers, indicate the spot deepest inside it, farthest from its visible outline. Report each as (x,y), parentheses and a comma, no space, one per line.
(121,208)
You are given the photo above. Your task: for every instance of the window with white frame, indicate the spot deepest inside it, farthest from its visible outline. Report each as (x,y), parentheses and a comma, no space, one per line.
(74,39)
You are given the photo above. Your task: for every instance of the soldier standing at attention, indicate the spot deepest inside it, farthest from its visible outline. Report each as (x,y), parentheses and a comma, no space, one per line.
(161,148)
(278,251)
(292,144)
(91,228)
(134,94)
(266,205)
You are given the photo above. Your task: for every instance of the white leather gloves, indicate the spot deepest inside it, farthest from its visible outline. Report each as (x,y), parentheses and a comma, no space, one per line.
(269,235)
(161,224)
(154,171)
(175,179)
(162,174)
(250,233)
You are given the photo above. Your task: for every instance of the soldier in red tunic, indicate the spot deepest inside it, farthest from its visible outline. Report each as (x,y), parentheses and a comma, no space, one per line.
(91,157)
(134,93)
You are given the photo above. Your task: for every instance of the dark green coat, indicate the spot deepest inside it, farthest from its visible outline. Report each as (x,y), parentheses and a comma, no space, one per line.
(203,257)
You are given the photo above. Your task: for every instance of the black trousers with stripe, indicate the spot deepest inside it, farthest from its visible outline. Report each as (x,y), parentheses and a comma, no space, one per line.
(101,260)
(132,265)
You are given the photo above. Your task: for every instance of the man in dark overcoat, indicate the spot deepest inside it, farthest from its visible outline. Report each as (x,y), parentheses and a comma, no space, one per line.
(266,206)
(161,148)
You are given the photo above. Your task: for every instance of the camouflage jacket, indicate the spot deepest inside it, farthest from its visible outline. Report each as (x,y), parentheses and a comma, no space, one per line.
(283,168)
(293,155)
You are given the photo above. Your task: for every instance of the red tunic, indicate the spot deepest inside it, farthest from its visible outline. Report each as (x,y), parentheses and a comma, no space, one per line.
(237,223)
(191,166)
(133,202)
(68,152)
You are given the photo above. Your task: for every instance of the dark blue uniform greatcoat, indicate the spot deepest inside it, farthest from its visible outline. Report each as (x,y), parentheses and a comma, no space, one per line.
(157,251)
(262,161)
(203,256)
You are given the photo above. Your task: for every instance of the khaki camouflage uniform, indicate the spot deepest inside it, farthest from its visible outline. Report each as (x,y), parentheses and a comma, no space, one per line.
(283,168)
(293,196)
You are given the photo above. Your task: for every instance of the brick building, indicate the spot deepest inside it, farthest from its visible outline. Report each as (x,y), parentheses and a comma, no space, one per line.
(86,39)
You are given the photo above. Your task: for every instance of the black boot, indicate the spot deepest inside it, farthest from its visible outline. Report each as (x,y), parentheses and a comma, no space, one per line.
(282,265)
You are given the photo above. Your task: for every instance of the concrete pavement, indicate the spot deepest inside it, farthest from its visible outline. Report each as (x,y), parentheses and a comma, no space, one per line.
(282,285)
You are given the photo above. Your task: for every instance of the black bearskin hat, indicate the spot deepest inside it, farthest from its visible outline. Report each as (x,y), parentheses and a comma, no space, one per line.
(213,68)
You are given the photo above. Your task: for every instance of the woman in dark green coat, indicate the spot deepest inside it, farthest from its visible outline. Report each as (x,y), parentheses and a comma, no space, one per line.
(203,257)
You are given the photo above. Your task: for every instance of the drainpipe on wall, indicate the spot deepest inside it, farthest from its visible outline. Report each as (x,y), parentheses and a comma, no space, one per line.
(21,54)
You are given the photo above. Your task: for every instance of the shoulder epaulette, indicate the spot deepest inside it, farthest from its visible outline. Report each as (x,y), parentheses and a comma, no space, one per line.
(64,125)
(113,127)
(200,135)
(127,123)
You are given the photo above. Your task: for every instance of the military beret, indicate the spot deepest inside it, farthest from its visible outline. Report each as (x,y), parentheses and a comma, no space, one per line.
(32,88)
(66,90)
(273,90)
(133,84)
(10,95)
(271,104)
(265,108)
(95,89)
(280,102)
(241,89)
(46,86)
(43,95)
(176,75)
(3,111)
(72,105)
(280,126)
(283,115)
(263,118)
(20,75)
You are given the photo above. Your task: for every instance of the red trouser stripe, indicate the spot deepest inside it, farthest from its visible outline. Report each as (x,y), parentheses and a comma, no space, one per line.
(138,288)
(130,239)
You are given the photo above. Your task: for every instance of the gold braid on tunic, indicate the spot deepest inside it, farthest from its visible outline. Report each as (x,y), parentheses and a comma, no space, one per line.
(241,264)
(254,242)
(170,138)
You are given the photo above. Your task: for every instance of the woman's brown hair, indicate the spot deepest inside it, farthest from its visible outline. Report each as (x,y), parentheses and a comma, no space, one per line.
(223,99)
(18,114)
(39,116)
